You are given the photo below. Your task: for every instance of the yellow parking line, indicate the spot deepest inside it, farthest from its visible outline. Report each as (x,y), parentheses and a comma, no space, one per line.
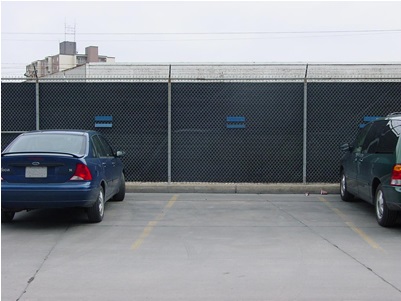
(172,201)
(364,236)
(148,229)
(351,225)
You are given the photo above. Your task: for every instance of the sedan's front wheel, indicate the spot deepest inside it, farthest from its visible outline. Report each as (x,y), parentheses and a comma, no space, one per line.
(7,216)
(385,217)
(96,212)
(119,197)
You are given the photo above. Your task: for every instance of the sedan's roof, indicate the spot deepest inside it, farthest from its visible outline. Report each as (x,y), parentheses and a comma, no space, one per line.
(78,132)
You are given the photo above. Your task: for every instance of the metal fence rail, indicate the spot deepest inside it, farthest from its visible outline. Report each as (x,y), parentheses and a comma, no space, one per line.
(183,129)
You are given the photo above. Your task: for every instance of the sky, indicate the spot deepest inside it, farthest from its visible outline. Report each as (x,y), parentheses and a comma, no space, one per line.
(203,31)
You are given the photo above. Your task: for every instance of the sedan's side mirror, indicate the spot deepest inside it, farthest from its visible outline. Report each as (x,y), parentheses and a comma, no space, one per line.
(120,154)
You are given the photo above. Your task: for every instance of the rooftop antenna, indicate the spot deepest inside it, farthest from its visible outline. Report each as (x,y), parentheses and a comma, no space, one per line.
(69,30)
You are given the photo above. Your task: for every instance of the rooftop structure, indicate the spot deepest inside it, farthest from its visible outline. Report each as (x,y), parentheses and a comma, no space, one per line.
(66,59)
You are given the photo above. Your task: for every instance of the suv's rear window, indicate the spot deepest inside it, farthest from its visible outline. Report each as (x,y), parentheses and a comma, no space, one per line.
(380,137)
(389,137)
(50,142)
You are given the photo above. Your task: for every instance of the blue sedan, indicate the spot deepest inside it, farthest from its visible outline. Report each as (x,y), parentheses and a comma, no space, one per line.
(59,169)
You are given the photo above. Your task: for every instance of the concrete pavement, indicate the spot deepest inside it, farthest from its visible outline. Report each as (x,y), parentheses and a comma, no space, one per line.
(197,246)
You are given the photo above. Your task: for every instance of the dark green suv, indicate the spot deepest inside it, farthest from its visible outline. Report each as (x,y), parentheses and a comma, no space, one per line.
(371,168)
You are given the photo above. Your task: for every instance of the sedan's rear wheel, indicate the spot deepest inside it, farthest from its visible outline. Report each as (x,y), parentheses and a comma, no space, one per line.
(385,217)
(96,212)
(7,216)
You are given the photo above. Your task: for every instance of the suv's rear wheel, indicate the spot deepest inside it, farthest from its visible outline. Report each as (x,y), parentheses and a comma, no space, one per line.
(385,217)
(345,195)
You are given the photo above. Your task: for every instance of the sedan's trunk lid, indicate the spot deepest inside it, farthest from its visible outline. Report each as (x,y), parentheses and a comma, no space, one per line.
(38,167)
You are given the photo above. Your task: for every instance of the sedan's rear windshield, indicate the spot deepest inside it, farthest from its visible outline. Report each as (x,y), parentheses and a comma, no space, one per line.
(50,142)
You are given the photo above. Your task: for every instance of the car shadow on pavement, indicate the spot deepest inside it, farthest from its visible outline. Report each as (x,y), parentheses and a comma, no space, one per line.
(49,218)
(363,207)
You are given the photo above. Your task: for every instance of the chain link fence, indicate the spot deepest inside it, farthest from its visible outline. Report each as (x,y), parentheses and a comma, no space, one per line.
(237,132)
(192,129)
(335,111)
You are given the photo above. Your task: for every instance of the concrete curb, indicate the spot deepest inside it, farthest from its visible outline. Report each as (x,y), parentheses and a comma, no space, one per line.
(241,188)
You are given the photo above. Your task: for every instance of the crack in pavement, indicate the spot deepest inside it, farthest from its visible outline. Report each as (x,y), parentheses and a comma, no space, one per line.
(336,246)
(41,265)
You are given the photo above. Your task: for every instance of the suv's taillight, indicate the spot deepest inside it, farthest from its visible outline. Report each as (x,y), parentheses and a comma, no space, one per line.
(82,173)
(396,175)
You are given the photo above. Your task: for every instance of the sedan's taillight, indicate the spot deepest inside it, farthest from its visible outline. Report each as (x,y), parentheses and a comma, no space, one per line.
(82,173)
(396,175)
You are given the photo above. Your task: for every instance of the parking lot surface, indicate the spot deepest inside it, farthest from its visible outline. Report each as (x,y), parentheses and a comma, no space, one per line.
(204,247)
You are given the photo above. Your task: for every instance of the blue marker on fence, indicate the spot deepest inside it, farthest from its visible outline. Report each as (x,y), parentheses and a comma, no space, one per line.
(103,121)
(235,122)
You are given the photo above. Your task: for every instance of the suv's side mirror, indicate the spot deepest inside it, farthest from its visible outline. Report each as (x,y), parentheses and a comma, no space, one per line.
(120,154)
(346,147)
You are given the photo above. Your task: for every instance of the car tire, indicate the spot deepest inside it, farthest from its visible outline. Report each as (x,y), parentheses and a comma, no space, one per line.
(119,197)
(345,195)
(96,212)
(385,217)
(7,216)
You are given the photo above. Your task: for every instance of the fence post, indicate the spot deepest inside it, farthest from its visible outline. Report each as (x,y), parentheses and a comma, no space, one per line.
(37,116)
(304,163)
(169,128)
